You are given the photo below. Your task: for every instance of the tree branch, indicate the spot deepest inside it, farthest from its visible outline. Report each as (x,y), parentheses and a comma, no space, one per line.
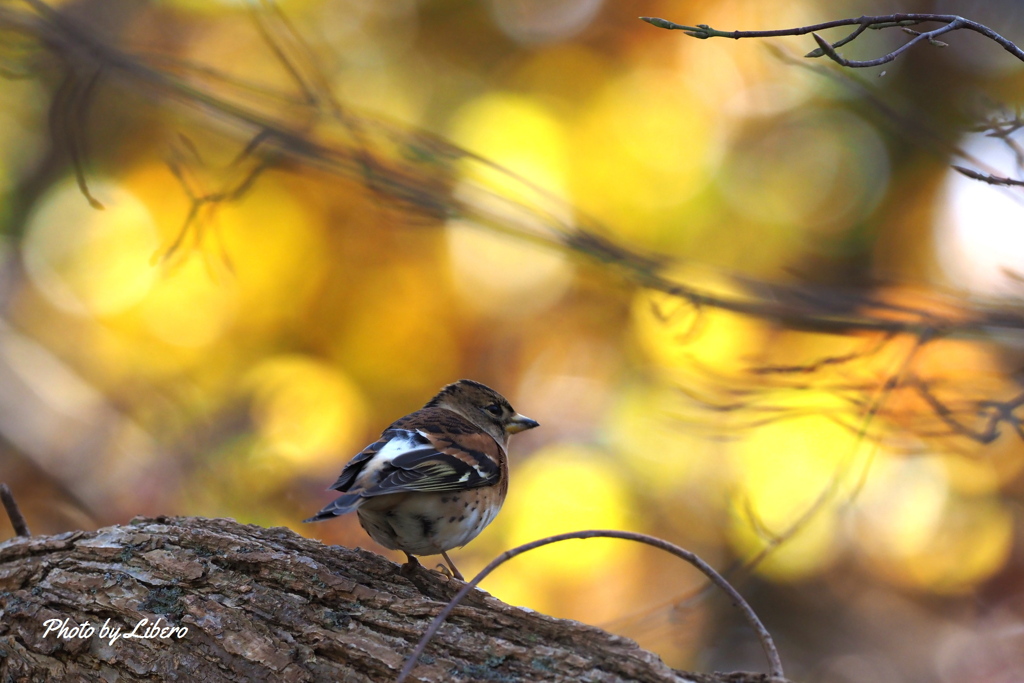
(269,605)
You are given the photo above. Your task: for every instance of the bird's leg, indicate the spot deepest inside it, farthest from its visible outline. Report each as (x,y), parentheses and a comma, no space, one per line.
(451,565)
(409,567)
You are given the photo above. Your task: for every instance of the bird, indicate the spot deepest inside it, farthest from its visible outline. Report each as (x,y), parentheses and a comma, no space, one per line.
(436,477)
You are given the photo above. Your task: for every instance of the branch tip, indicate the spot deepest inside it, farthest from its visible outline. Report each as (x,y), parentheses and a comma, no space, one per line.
(827,49)
(660,23)
(701,31)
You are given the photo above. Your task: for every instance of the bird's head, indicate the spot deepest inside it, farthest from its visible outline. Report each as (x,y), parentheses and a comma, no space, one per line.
(484,407)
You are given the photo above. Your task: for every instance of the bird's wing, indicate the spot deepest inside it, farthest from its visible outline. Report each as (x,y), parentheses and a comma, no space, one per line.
(355,466)
(430,450)
(370,468)
(420,460)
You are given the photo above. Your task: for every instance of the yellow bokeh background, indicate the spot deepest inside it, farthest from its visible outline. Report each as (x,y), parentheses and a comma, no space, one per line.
(261,295)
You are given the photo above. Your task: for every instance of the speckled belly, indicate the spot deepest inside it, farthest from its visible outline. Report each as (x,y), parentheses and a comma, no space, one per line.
(429,523)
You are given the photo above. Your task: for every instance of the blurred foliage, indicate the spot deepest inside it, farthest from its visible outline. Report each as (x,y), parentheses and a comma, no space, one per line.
(753,308)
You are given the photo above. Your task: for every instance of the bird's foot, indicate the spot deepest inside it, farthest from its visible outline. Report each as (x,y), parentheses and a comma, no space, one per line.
(413,565)
(454,572)
(410,567)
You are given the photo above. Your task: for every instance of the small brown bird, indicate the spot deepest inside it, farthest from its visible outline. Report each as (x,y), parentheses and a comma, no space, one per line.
(436,477)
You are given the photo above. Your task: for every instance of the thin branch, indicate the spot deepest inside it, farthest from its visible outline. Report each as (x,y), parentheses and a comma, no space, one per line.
(828,49)
(948,416)
(13,511)
(767,643)
(67,112)
(951,22)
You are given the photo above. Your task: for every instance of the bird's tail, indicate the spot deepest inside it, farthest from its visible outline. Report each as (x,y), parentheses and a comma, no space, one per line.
(341,505)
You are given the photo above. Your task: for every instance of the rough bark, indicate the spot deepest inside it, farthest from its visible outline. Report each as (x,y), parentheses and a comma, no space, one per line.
(270,605)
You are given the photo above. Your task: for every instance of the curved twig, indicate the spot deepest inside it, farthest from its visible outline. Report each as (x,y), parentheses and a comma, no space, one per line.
(775,664)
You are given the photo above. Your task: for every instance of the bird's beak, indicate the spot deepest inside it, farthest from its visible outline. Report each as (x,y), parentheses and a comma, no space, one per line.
(520,423)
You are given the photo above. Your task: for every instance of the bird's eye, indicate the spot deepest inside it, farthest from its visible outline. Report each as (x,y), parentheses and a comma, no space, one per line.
(494,409)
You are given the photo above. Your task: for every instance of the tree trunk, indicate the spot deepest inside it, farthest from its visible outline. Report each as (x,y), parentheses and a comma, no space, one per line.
(234,602)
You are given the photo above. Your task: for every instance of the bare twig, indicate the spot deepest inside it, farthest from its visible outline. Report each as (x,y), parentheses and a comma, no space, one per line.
(13,511)
(951,22)
(988,177)
(775,664)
